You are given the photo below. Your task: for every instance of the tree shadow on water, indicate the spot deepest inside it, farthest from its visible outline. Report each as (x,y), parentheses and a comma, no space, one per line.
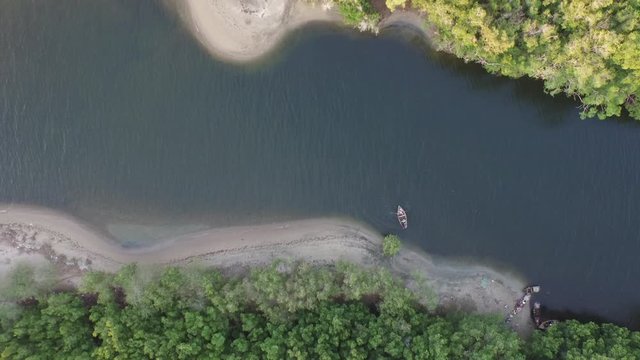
(633,321)
(626,120)
(552,111)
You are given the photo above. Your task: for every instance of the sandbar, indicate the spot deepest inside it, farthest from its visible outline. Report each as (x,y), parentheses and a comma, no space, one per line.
(245,30)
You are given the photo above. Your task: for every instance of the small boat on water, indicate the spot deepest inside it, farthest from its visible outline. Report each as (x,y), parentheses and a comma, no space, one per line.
(402,217)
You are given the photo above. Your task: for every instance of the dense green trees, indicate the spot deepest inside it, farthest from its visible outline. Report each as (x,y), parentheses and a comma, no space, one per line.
(285,311)
(56,328)
(573,340)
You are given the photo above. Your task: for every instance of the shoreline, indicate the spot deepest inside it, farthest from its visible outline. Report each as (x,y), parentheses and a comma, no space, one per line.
(39,236)
(246,31)
(243,32)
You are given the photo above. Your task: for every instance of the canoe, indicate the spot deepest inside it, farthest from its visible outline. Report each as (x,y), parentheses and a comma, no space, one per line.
(402,217)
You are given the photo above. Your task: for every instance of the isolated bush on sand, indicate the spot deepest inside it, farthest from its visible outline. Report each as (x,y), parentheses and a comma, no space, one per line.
(390,245)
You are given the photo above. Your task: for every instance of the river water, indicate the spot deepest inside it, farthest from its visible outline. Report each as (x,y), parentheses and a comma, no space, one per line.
(111,110)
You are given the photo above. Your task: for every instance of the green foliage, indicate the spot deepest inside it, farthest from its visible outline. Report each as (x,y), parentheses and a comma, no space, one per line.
(573,340)
(359,13)
(285,310)
(589,50)
(57,328)
(26,281)
(394,4)
(484,338)
(391,245)
(98,283)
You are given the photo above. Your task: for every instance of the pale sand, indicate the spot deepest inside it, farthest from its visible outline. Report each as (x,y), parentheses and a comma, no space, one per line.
(245,30)
(38,234)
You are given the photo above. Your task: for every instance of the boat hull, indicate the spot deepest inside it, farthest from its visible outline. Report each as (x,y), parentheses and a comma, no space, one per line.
(402,217)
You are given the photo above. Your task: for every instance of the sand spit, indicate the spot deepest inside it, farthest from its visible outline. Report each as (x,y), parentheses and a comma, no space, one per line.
(245,30)
(40,235)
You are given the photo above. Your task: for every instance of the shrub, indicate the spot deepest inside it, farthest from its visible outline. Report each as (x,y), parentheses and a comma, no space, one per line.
(390,245)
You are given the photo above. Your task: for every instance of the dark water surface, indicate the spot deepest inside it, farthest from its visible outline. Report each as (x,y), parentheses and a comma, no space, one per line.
(109,109)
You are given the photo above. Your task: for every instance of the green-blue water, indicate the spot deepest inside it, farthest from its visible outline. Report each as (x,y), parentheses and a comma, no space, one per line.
(111,110)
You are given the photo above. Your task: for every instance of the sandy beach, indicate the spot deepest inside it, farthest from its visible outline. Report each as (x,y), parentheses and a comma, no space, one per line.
(39,235)
(245,30)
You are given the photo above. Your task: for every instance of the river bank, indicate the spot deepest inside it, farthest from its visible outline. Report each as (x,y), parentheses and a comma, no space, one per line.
(245,31)
(39,236)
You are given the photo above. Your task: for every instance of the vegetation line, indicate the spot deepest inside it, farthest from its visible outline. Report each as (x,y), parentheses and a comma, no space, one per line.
(286,310)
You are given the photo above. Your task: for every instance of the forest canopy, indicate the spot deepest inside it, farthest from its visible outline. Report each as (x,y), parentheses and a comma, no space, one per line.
(284,311)
(587,49)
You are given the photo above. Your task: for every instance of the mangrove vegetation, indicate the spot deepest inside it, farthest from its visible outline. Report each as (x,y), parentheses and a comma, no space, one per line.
(284,311)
